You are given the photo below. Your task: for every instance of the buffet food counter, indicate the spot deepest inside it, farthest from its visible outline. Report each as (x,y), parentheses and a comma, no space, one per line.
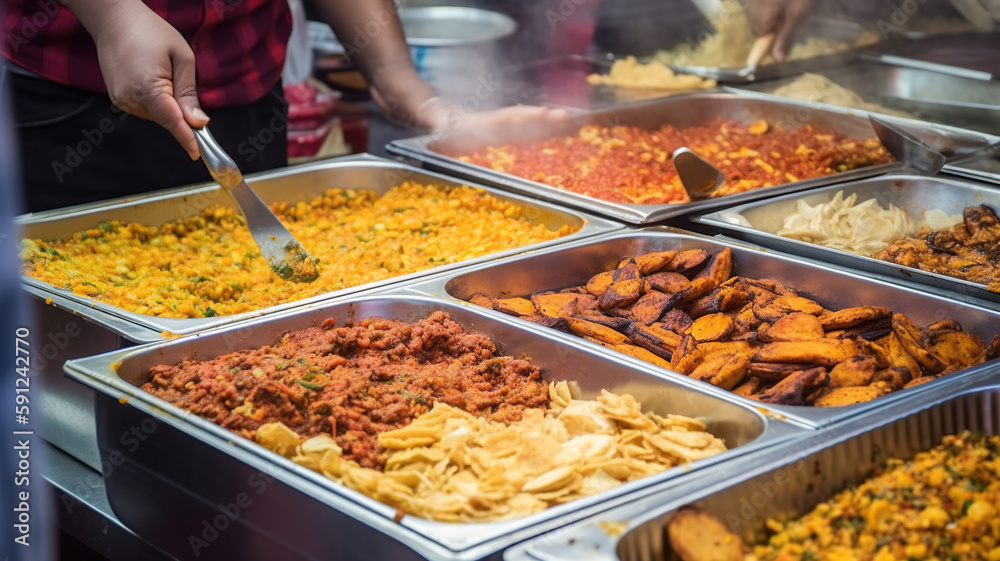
(535,344)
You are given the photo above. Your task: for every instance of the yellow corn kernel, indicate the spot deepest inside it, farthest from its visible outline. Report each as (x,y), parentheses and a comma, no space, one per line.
(934,516)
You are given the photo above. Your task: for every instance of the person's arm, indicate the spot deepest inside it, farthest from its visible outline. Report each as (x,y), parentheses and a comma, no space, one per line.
(780,17)
(148,67)
(371,33)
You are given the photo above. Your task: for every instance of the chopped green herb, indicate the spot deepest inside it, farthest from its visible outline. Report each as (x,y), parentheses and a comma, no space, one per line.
(105,226)
(209,313)
(307,385)
(413,397)
(966,505)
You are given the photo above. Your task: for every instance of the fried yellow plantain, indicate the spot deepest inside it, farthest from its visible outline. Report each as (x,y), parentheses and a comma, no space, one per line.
(836,397)
(516,306)
(650,263)
(676,320)
(897,356)
(548,321)
(855,371)
(697,536)
(642,354)
(655,334)
(555,304)
(771,372)
(794,388)
(917,381)
(713,327)
(627,270)
(850,317)
(913,341)
(895,378)
(698,289)
(796,326)
(721,299)
(719,267)
(956,349)
(824,352)
(600,282)
(669,283)
(585,328)
(484,300)
(650,306)
(749,386)
(688,260)
(620,294)
(724,369)
(784,305)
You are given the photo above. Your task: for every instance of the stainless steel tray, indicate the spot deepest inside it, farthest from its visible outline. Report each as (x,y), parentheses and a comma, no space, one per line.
(941,98)
(574,264)
(783,483)
(968,54)
(291,184)
(169,468)
(682,111)
(759,222)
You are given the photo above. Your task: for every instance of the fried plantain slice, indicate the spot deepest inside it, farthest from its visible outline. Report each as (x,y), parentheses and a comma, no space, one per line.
(784,305)
(650,263)
(642,354)
(723,368)
(913,342)
(836,397)
(719,267)
(600,282)
(993,350)
(870,330)
(824,352)
(618,324)
(650,306)
(850,317)
(895,378)
(683,358)
(574,290)
(944,325)
(745,320)
(896,355)
(620,294)
(548,321)
(516,306)
(627,270)
(688,261)
(855,371)
(749,386)
(678,321)
(713,327)
(797,326)
(697,536)
(585,328)
(484,300)
(720,300)
(556,304)
(794,388)
(917,381)
(771,372)
(656,335)
(698,289)
(956,349)
(669,283)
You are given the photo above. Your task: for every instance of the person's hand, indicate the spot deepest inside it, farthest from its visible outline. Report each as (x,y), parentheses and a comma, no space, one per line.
(780,17)
(149,70)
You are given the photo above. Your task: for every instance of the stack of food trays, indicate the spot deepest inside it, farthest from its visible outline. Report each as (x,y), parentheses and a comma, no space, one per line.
(705,110)
(107,326)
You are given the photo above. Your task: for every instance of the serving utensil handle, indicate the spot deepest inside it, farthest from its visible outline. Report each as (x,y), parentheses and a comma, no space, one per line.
(218,162)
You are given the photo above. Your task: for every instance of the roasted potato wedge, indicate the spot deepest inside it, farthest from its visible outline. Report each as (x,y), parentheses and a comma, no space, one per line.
(697,536)
(796,326)
(516,306)
(600,282)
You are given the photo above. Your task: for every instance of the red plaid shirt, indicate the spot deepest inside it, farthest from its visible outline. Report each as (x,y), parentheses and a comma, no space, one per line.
(239,45)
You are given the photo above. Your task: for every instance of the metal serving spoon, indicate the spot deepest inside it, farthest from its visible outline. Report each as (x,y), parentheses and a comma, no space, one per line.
(700,178)
(286,256)
(929,152)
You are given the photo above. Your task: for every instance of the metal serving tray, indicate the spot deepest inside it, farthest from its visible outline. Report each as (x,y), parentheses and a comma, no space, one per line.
(77,326)
(759,222)
(968,54)
(942,98)
(168,485)
(574,264)
(299,183)
(681,110)
(782,483)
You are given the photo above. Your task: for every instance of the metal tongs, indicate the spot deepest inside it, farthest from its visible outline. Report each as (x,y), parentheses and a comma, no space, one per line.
(699,177)
(286,256)
(928,152)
